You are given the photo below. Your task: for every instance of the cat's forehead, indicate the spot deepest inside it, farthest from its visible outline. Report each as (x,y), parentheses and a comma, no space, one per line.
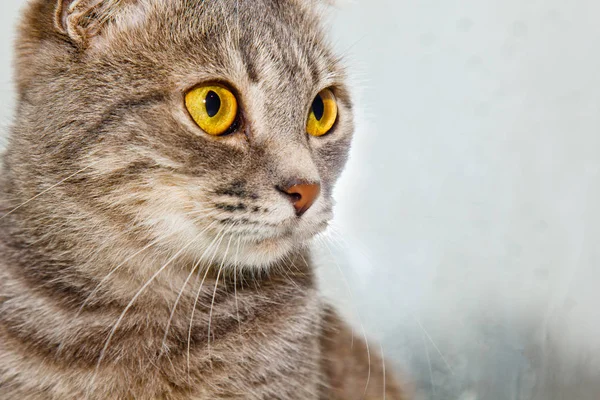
(268,41)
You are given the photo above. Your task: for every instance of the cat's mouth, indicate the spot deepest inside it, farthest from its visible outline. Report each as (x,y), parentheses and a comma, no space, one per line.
(244,236)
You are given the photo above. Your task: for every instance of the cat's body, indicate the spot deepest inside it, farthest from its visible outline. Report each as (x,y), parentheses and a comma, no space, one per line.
(142,258)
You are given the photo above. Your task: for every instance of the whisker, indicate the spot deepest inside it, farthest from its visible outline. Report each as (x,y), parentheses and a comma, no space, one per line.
(433,344)
(322,239)
(235,272)
(345,53)
(107,277)
(412,314)
(114,270)
(164,341)
(285,268)
(305,262)
(128,307)
(383,366)
(47,190)
(173,309)
(199,292)
(429,364)
(356,311)
(212,304)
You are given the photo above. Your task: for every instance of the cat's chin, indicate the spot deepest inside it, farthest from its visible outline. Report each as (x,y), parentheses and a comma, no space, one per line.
(264,253)
(268,251)
(255,248)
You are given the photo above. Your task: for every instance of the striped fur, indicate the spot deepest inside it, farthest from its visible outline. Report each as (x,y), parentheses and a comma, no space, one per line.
(143,259)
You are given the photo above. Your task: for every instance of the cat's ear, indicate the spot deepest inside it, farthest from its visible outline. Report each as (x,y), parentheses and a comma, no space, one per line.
(84,20)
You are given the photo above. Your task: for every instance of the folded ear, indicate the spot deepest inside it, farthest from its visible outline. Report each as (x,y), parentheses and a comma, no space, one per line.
(83,20)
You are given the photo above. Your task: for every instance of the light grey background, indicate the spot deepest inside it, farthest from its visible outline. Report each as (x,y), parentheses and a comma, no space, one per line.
(466,235)
(471,205)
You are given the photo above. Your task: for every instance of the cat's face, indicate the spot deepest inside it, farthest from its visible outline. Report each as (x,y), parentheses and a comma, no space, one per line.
(118,103)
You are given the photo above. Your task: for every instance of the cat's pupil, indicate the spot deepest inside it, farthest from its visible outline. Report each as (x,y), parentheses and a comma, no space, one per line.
(318,107)
(213,104)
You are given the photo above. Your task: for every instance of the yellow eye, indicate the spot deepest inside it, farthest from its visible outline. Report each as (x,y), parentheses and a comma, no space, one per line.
(323,113)
(214,108)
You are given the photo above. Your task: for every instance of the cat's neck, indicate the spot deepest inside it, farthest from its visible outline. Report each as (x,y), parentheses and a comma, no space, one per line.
(89,273)
(72,315)
(207,316)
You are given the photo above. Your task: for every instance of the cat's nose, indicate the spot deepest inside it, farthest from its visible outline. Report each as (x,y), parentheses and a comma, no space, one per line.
(302,195)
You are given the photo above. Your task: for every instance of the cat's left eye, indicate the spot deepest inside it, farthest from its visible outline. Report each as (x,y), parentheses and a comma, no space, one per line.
(323,113)
(213,107)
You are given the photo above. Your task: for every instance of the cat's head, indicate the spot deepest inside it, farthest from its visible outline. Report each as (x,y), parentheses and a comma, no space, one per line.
(212,129)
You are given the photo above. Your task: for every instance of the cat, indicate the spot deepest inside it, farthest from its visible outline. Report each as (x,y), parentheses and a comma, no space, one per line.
(168,165)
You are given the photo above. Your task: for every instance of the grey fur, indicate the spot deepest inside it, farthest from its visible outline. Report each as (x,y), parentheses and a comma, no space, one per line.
(144,220)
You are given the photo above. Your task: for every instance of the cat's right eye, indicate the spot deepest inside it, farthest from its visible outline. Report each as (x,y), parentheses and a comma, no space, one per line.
(213,107)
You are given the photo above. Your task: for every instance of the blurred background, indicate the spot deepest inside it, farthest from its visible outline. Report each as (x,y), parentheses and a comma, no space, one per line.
(465,241)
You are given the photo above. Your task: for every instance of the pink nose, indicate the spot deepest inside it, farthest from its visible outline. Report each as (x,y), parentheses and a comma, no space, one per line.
(302,195)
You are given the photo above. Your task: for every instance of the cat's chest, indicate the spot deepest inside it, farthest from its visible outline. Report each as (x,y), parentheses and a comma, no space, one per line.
(272,353)
(268,368)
